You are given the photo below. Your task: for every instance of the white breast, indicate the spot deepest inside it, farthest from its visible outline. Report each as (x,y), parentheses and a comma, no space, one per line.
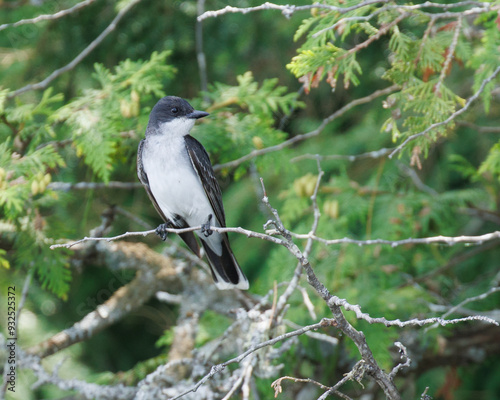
(174,183)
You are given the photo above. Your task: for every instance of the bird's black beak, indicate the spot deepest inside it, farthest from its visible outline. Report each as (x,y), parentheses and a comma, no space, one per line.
(197,114)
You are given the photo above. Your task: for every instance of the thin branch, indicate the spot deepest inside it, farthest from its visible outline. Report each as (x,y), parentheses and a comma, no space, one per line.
(238,382)
(471,299)
(246,232)
(67,186)
(404,356)
(308,135)
(47,17)
(97,41)
(334,300)
(277,384)
(355,374)
(449,240)
(341,322)
(289,10)
(286,10)
(371,154)
(471,99)
(315,335)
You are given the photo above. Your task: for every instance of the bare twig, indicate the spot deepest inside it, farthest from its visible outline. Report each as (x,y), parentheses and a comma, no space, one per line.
(286,10)
(404,356)
(277,384)
(315,335)
(471,299)
(47,17)
(470,100)
(371,154)
(96,42)
(453,309)
(449,240)
(412,322)
(355,374)
(67,186)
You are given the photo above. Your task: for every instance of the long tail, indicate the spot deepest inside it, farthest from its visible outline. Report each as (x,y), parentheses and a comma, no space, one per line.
(226,272)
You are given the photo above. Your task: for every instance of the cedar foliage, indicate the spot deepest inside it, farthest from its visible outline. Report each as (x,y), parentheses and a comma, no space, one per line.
(87,124)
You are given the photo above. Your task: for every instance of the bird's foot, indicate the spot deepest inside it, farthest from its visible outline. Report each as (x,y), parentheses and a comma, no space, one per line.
(205,228)
(162,232)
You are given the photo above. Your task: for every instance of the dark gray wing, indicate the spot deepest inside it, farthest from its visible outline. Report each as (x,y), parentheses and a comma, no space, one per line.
(188,237)
(203,167)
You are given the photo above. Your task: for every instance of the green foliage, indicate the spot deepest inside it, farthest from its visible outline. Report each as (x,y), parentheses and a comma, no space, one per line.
(98,119)
(87,125)
(492,162)
(416,63)
(95,123)
(485,57)
(243,118)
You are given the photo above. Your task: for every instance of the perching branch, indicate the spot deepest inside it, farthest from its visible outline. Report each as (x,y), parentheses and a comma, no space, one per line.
(448,240)
(404,356)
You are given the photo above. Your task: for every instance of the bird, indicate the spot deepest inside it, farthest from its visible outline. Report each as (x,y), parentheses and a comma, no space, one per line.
(176,171)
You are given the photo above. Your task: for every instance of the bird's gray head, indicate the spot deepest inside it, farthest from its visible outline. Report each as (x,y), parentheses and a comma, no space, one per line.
(174,114)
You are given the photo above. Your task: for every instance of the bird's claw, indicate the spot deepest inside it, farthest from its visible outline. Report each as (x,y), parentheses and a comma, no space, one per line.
(161,231)
(205,228)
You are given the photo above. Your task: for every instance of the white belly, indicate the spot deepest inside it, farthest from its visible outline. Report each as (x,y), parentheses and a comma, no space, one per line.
(175,185)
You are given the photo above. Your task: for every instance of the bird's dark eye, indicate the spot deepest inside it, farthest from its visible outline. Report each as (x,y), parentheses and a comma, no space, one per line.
(174,110)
